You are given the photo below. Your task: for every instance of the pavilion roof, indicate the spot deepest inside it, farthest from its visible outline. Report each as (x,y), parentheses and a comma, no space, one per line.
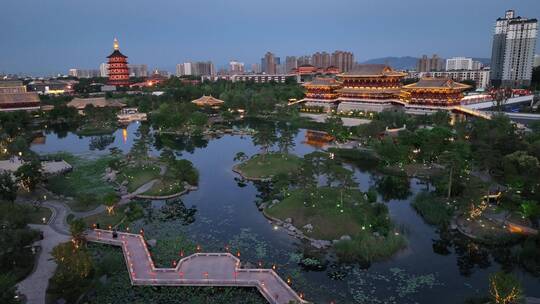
(19,98)
(98,102)
(433,83)
(116,53)
(10,83)
(372,70)
(208,101)
(323,81)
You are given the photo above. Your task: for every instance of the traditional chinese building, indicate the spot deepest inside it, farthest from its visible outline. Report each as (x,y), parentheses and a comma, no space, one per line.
(118,67)
(322,90)
(208,101)
(13,97)
(437,92)
(371,83)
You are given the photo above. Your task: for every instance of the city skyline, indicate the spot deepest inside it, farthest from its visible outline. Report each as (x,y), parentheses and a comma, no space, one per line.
(164,37)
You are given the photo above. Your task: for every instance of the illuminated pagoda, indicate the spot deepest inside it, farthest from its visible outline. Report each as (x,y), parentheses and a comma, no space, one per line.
(434,92)
(322,90)
(118,67)
(370,87)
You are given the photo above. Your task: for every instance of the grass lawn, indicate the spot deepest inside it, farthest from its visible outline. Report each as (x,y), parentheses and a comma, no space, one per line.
(371,231)
(37,215)
(165,187)
(84,183)
(265,166)
(329,217)
(104,219)
(138,175)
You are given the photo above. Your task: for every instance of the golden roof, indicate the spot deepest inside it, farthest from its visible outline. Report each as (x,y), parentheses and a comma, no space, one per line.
(209,101)
(323,82)
(372,70)
(437,83)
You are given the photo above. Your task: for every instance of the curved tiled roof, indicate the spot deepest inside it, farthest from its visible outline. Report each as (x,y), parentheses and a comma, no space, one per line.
(370,70)
(430,83)
(30,97)
(323,81)
(208,101)
(117,53)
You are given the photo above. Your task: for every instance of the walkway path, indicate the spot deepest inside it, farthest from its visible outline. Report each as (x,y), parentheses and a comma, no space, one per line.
(201,269)
(35,285)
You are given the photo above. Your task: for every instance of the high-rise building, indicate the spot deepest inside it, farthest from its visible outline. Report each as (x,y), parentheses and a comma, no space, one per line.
(256,68)
(138,70)
(269,63)
(183,69)
(344,61)
(512,55)
(433,64)
(84,73)
(304,60)
(104,70)
(118,68)
(321,60)
(459,63)
(236,67)
(201,68)
(536,60)
(290,63)
(477,65)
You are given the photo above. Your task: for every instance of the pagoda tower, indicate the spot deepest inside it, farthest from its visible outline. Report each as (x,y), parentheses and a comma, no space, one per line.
(118,68)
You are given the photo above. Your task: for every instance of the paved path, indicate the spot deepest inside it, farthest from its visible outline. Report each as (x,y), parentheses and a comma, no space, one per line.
(35,285)
(201,269)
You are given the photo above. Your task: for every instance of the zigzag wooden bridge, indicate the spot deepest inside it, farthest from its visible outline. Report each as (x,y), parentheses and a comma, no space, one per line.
(200,269)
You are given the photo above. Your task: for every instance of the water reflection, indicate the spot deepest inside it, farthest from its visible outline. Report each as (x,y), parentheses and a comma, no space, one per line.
(393,187)
(100,142)
(438,265)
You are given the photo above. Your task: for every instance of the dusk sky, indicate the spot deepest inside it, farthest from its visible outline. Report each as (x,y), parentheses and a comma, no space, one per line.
(46,37)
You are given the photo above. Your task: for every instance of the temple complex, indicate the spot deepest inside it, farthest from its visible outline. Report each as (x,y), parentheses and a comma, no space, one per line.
(376,87)
(434,92)
(370,87)
(322,90)
(13,97)
(118,68)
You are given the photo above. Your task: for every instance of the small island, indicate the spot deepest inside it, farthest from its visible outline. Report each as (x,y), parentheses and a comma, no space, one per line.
(335,214)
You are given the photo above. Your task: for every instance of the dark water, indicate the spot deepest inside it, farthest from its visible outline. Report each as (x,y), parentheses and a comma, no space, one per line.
(429,270)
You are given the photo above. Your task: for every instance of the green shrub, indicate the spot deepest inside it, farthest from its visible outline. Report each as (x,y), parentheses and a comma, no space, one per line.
(433,209)
(367,247)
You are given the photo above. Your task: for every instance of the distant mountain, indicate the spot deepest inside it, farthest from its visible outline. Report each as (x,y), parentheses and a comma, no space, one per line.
(398,63)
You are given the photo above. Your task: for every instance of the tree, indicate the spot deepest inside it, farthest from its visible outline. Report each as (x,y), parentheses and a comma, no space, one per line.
(241,157)
(335,128)
(455,163)
(77,228)
(29,175)
(167,156)
(504,288)
(8,290)
(74,267)
(110,200)
(8,187)
(530,209)
(265,137)
(287,132)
